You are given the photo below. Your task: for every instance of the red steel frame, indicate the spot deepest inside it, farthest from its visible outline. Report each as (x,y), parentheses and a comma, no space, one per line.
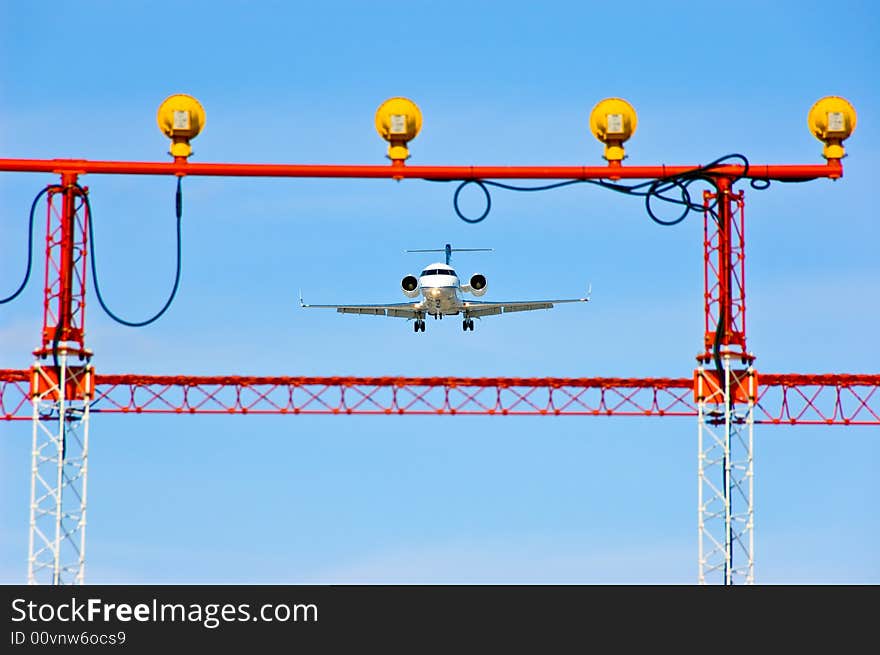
(65,273)
(398,170)
(64,300)
(788,399)
(724,270)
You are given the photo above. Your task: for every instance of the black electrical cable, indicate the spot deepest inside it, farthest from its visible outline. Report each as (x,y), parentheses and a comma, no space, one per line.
(544,187)
(761,183)
(485,191)
(56,339)
(651,190)
(716,350)
(655,189)
(179,212)
(30,247)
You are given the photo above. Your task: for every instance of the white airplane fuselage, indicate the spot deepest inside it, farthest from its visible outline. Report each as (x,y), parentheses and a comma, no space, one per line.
(440,291)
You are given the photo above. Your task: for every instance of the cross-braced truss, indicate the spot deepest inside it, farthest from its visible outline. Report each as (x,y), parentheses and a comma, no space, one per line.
(59,473)
(726,475)
(783,399)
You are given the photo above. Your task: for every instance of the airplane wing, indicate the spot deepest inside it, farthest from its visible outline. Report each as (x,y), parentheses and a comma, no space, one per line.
(480,308)
(394,310)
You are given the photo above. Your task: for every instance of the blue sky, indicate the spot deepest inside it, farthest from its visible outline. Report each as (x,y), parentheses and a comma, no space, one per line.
(409,499)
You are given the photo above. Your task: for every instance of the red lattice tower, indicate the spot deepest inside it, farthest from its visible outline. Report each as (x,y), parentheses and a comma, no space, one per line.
(724,275)
(64,299)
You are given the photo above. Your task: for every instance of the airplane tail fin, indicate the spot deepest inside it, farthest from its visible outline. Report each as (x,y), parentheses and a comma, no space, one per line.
(449,250)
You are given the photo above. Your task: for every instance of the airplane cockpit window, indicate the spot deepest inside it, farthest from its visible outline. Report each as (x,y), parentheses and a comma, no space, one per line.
(438,271)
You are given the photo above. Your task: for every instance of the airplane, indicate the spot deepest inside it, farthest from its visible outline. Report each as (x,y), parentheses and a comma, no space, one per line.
(439,287)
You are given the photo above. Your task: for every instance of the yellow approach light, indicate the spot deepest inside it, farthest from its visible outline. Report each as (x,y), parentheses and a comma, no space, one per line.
(613,121)
(832,119)
(181,118)
(398,121)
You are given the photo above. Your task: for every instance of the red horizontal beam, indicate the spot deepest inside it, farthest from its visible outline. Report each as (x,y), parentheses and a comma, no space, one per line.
(791,399)
(832,169)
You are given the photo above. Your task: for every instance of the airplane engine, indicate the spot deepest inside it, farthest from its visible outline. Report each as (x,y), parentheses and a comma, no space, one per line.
(478,284)
(410,286)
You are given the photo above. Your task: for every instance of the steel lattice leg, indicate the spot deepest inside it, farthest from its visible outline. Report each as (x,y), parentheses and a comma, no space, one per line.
(726,477)
(59,474)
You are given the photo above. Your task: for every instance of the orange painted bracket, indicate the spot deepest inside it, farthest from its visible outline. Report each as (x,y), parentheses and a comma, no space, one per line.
(708,387)
(79,383)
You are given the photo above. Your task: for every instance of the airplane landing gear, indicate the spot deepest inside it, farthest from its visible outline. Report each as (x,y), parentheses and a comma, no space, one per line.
(419,325)
(467,324)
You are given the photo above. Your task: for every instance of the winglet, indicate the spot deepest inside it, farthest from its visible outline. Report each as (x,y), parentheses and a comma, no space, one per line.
(301,303)
(589,290)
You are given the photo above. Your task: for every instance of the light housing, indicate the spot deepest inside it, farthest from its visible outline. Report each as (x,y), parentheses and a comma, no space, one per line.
(831,120)
(398,121)
(181,117)
(613,121)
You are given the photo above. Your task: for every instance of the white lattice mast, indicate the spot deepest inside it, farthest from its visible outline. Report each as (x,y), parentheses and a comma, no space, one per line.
(59,474)
(726,388)
(726,476)
(62,384)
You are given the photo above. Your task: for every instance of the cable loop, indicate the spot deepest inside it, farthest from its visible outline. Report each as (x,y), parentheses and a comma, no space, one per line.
(651,190)
(486,211)
(179,213)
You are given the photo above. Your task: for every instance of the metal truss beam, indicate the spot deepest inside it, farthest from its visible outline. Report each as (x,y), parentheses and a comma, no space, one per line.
(783,399)
(726,475)
(59,474)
